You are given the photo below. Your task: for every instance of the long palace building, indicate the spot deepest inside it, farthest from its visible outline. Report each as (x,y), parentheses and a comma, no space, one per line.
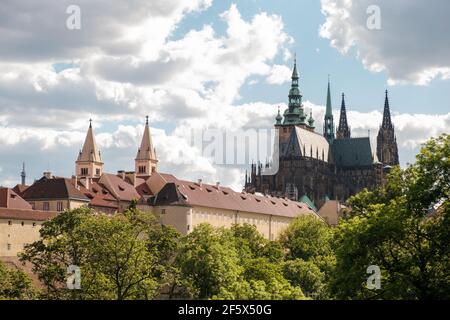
(315,167)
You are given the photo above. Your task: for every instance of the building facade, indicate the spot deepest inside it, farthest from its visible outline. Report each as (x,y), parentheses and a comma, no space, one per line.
(19,223)
(316,167)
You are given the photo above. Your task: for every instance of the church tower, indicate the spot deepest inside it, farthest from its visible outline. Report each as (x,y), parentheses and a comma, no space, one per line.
(295,114)
(89,163)
(387,151)
(145,162)
(328,125)
(343,131)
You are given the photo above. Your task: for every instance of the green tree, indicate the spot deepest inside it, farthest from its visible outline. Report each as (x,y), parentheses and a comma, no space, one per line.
(306,275)
(310,256)
(404,229)
(119,256)
(307,237)
(251,244)
(14,284)
(207,263)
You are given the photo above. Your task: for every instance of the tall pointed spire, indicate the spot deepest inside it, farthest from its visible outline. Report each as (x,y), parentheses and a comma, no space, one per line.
(295,114)
(89,162)
(294,71)
(343,130)
(387,150)
(23,174)
(328,125)
(329,110)
(145,162)
(90,151)
(387,123)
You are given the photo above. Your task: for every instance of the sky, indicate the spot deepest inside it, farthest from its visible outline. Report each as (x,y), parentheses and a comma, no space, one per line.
(222,65)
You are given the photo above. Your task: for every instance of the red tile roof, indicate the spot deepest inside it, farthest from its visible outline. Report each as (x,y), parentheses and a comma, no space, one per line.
(53,188)
(119,188)
(20,214)
(205,195)
(10,199)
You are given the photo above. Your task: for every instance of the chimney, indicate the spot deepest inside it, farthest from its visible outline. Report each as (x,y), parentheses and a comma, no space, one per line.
(48,175)
(75,181)
(85,182)
(200,182)
(121,174)
(218,185)
(132,177)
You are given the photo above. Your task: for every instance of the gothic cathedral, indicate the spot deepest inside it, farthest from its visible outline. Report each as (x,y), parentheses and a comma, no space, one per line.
(313,167)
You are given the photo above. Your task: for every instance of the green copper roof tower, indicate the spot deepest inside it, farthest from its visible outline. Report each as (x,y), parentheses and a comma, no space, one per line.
(294,114)
(328,125)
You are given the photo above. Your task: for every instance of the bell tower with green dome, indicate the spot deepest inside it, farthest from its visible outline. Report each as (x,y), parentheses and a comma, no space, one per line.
(295,114)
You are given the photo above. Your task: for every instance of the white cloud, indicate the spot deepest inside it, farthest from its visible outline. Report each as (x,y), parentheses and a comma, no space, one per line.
(411,45)
(279,74)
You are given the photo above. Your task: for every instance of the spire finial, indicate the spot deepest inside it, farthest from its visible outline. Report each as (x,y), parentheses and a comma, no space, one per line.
(90,123)
(146,120)
(387,123)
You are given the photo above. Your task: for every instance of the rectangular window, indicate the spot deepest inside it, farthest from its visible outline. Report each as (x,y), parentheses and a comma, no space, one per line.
(59,206)
(32,205)
(97,172)
(10,223)
(9,246)
(46,206)
(84,171)
(163,211)
(34,224)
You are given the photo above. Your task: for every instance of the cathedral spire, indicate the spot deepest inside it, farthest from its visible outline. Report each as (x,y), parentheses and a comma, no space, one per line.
(343,130)
(329,110)
(145,162)
(328,125)
(387,123)
(295,115)
(89,162)
(387,150)
(294,72)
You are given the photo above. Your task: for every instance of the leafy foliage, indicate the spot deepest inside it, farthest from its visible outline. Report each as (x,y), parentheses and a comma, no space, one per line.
(14,284)
(404,229)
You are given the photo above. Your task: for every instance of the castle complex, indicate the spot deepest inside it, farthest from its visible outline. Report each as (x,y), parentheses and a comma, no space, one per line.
(314,167)
(316,171)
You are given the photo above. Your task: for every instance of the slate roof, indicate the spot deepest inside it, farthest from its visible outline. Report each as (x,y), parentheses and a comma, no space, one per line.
(352,152)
